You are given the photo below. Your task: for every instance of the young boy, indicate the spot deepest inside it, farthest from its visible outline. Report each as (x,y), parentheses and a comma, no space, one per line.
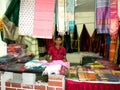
(57,52)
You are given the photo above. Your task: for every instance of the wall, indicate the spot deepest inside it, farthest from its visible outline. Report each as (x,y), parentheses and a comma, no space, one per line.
(55,82)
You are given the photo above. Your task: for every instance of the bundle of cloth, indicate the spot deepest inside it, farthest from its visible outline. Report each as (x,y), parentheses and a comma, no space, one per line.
(53,67)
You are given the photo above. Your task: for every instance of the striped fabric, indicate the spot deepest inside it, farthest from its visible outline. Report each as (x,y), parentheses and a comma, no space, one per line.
(113,17)
(112,52)
(102,16)
(32,44)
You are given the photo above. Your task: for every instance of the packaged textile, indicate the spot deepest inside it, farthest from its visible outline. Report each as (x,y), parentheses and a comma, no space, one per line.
(15,49)
(5,60)
(87,76)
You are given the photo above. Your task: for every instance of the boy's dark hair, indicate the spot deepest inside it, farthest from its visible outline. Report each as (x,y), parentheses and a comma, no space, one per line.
(58,36)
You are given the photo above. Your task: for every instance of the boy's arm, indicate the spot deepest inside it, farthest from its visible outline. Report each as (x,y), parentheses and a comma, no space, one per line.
(49,58)
(65,59)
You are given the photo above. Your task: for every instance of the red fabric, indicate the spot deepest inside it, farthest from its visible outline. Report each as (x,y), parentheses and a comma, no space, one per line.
(57,54)
(73,85)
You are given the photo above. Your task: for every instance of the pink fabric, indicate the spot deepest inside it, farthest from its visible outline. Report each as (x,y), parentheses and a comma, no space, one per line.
(114,17)
(73,85)
(66,64)
(43,18)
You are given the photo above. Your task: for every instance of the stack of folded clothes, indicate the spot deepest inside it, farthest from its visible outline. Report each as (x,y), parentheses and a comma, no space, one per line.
(106,75)
(6,60)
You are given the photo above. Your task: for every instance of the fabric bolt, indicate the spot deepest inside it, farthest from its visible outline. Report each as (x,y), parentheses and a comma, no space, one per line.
(10,20)
(114,17)
(102,16)
(26,17)
(43,18)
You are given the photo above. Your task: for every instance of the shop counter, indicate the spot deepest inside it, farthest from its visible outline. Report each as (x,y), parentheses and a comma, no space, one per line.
(91,85)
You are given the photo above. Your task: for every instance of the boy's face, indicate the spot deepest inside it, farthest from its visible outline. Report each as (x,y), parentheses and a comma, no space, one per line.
(58,41)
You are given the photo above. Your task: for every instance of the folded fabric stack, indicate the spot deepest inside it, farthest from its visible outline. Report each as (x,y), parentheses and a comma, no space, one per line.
(106,75)
(35,64)
(5,60)
(87,76)
(15,49)
(72,73)
(24,57)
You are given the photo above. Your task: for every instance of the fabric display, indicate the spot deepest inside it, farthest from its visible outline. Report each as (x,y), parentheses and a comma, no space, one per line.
(15,49)
(85,40)
(67,42)
(10,20)
(32,44)
(69,15)
(74,40)
(113,44)
(5,60)
(113,17)
(26,17)
(33,23)
(43,18)
(61,16)
(118,56)
(102,16)
(87,76)
(106,75)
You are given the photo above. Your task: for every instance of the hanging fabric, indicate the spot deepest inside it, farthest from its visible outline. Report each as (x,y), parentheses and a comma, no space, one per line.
(113,17)
(61,13)
(113,44)
(43,18)
(102,16)
(3,6)
(85,40)
(10,20)
(67,42)
(26,17)
(32,44)
(69,15)
(74,41)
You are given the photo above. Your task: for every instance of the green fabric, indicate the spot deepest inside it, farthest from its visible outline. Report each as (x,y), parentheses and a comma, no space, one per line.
(10,21)
(12,12)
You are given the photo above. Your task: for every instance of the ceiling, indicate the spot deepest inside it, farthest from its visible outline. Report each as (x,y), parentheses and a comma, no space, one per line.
(85,6)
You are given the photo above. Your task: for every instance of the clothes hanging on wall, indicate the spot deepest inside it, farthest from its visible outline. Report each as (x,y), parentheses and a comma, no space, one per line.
(26,17)
(85,40)
(113,17)
(67,42)
(10,20)
(75,41)
(102,16)
(113,44)
(43,18)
